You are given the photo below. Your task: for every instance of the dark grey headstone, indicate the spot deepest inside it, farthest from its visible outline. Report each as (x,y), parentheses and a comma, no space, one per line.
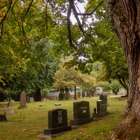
(101,106)
(103,97)
(81,113)
(101,109)
(57,122)
(3,118)
(81,110)
(57,118)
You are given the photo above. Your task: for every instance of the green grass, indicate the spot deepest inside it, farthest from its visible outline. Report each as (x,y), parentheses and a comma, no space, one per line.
(27,124)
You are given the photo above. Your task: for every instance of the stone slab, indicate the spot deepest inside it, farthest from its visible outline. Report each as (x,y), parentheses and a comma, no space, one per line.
(56,130)
(80,121)
(98,115)
(8,111)
(57,104)
(50,136)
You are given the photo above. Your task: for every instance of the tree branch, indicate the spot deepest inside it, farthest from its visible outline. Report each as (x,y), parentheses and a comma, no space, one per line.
(4,6)
(88,14)
(6,12)
(69,24)
(70,8)
(28,8)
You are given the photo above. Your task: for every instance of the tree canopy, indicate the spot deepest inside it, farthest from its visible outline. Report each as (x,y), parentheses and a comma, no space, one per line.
(68,78)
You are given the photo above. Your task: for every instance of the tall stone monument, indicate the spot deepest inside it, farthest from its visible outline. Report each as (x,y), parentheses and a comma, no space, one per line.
(22,100)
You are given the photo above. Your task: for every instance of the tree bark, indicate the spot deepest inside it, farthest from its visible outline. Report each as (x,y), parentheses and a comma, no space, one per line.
(75,93)
(124,16)
(37,95)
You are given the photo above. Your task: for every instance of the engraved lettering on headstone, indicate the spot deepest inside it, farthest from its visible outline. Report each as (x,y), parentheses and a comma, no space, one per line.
(85,107)
(59,113)
(103,106)
(60,117)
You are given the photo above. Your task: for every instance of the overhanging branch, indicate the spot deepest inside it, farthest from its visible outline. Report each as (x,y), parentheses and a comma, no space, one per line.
(69,24)
(10,3)
(70,8)
(28,8)
(88,14)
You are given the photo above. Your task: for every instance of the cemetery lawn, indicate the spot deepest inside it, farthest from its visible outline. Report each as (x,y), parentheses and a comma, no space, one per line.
(28,123)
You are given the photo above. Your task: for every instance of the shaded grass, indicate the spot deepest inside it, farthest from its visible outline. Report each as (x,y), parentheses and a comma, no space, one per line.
(28,123)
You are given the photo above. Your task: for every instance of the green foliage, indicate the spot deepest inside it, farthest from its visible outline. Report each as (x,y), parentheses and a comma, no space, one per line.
(115,86)
(45,92)
(28,25)
(70,78)
(105,85)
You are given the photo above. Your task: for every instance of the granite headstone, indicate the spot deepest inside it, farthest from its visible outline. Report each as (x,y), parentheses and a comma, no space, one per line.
(57,122)
(81,113)
(3,118)
(101,107)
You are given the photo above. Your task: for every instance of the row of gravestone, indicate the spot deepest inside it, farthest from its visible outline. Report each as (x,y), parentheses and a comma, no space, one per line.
(57,118)
(11,103)
(23,101)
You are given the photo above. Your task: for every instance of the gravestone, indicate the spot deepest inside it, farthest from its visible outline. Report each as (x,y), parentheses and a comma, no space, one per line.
(101,107)
(3,118)
(103,97)
(8,111)
(81,113)
(11,103)
(57,104)
(57,123)
(22,100)
(61,94)
(31,99)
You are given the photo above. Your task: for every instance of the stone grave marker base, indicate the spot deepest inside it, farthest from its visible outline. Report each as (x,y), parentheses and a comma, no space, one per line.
(80,121)
(50,136)
(3,118)
(56,130)
(98,115)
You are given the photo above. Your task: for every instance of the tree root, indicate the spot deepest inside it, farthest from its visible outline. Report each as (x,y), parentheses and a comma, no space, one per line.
(128,129)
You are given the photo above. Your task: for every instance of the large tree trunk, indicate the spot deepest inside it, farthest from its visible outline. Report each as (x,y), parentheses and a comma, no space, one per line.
(124,16)
(37,95)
